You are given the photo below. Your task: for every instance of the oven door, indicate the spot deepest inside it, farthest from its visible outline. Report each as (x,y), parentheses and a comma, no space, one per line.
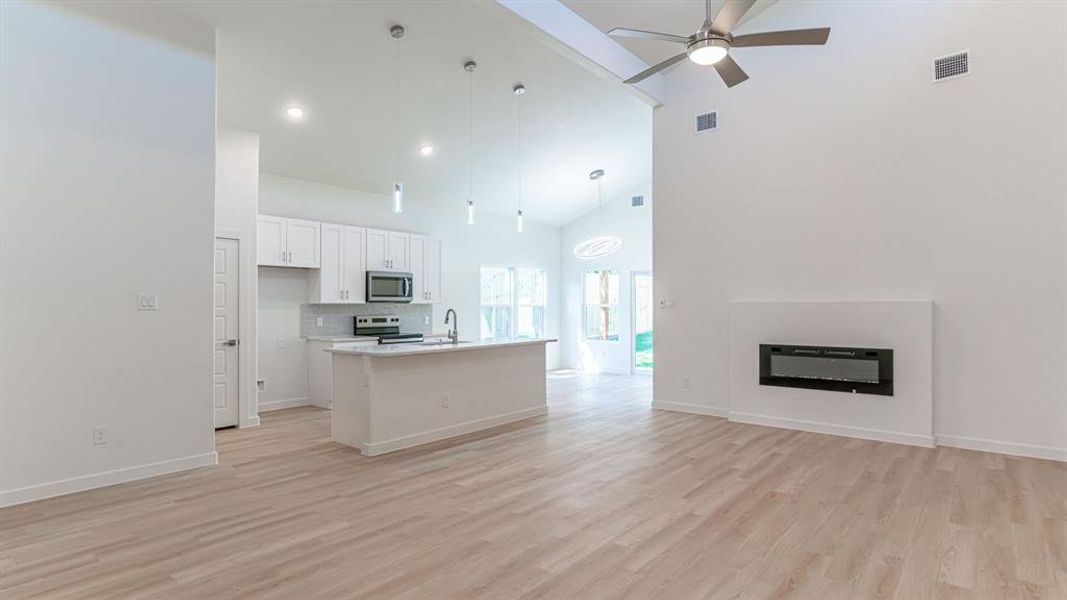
(387,286)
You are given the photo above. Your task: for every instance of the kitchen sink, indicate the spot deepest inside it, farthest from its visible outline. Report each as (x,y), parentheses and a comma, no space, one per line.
(445,342)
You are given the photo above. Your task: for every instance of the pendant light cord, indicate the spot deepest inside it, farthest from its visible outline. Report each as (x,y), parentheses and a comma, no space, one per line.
(470,138)
(396,120)
(522,106)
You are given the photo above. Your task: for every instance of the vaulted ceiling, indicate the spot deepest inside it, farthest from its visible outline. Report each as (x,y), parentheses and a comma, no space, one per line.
(336,59)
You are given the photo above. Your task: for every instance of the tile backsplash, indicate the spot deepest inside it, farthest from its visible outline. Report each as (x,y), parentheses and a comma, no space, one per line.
(337,319)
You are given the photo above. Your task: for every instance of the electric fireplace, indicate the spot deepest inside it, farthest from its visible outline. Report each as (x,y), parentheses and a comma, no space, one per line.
(853,370)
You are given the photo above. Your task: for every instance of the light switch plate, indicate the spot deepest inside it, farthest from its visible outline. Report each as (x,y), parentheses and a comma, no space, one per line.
(147,302)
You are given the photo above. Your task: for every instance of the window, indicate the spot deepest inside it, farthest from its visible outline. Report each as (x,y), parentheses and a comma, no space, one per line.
(496,302)
(601,305)
(514,302)
(530,303)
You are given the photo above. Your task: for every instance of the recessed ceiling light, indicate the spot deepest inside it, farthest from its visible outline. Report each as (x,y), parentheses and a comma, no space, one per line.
(295,113)
(426,150)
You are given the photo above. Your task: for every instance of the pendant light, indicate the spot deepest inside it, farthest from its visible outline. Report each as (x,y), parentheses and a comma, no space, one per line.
(520,92)
(596,176)
(469,67)
(397,32)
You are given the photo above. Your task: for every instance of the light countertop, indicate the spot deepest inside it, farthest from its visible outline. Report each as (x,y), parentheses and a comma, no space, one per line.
(342,338)
(388,350)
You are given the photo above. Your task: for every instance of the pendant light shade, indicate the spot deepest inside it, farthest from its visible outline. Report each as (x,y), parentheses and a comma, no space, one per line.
(518,222)
(470,211)
(398,197)
(397,32)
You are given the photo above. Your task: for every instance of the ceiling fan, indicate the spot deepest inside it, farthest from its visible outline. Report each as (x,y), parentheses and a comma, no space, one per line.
(711,44)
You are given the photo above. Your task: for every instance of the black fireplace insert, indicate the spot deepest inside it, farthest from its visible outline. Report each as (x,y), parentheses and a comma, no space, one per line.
(854,370)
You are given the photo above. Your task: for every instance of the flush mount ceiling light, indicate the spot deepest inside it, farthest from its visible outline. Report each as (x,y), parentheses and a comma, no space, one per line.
(295,113)
(426,150)
(597,247)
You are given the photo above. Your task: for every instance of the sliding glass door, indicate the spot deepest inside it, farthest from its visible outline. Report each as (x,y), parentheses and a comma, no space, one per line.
(642,303)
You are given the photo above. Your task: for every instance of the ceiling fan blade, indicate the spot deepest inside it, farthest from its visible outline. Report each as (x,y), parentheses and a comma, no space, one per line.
(730,13)
(731,73)
(648,35)
(794,37)
(657,68)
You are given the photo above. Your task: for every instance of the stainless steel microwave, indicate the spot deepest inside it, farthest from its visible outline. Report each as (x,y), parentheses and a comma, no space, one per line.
(389,286)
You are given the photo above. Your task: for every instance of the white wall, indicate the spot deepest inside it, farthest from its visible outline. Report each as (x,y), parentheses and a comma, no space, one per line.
(634,226)
(236,207)
(492,241)
(107,151)
(843,173)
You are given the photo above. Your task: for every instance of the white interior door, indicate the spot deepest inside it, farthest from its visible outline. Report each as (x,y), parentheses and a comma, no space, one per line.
(302,243)
(227,342)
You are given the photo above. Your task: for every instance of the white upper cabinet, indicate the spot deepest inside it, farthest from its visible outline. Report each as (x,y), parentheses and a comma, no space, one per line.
(302,240)
(377,250)
(426,269)
(328,287)
(284,242)
(355,279)
(341,276)
(399,251)
(417,266)
(433,271)
(270,241)
(388,250)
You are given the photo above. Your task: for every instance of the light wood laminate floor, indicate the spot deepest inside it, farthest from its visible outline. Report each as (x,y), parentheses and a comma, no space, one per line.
(604,498)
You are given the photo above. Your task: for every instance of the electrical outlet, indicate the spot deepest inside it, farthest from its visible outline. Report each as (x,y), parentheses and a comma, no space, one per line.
(444,400)
(426,320)
(685,383)
(100,435)
(280,343)
(318,321)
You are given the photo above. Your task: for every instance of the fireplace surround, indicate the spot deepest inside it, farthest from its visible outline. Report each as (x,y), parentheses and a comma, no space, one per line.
(834,368)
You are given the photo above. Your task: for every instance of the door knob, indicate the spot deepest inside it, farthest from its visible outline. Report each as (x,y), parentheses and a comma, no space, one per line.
(230,342)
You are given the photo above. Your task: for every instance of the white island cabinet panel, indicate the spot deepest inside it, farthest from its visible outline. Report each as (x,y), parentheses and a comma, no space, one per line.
(387,398)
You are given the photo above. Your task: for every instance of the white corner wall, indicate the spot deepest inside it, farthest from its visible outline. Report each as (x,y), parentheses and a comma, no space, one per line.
(107,155)
(842,173)
(634,227)
(491,241)
(236,208)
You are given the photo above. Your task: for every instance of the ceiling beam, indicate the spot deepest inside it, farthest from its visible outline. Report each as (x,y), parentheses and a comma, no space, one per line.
(580,41)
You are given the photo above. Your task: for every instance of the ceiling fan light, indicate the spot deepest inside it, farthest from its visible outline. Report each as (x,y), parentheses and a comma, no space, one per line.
(708,52)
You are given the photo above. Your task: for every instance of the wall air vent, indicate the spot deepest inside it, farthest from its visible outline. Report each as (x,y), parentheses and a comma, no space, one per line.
(637,201)
(707,122)
(952,66)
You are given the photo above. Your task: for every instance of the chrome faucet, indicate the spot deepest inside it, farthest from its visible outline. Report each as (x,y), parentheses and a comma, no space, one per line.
(453,334)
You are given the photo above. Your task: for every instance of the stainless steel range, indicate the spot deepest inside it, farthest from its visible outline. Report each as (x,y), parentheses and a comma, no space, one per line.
(386,328)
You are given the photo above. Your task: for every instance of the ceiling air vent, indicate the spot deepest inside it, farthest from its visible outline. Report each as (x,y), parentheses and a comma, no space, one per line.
(637,201)
(952,66)
(707,121)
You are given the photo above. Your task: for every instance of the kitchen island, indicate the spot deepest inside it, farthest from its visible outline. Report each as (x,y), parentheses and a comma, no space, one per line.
(391,397)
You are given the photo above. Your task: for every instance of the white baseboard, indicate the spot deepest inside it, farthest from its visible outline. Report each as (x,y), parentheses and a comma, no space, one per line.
(107,478)
(283,404)
(693,409)
(862,433)
(252,421)
(1010,448)
(408,441)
